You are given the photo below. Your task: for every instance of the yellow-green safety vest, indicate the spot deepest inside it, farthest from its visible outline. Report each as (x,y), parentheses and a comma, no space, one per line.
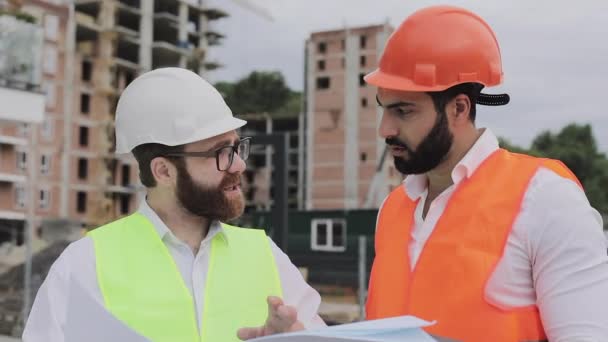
(142,286)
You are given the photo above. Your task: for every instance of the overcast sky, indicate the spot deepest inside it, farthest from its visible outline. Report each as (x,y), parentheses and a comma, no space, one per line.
(555,53)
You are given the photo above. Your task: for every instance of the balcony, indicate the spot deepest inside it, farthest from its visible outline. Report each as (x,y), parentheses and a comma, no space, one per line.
(165,54)
(166,17)
(125,64)
(88,7)
(167,50)
(214,13)
(12,141)
(170,7)
(12,215)
(11,178)
(127,49)
(87,28)
(119,189)
(21,105)
(87,19)
(128,20)
(131,6)
(127,33)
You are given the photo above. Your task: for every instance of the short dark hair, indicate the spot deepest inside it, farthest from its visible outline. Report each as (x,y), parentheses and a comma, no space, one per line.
(146,152)
(472,90)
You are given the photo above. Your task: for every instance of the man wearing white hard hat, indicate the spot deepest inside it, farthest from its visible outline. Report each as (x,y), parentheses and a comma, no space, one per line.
(172,271)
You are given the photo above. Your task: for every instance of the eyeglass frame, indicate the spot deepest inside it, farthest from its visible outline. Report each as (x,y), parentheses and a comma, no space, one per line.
(216,153)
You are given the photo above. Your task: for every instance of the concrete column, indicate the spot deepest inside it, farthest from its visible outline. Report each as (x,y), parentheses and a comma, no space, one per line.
(301,159)
(33,167)
(68,104)
(146,32)
(310,122)
(381,185)
(381,38)
(203,44)
(351,122)
(107,15)
(182,32)
(269,159)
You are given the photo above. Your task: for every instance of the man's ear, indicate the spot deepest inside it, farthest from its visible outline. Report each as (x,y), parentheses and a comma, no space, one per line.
(163,171)
(460,108)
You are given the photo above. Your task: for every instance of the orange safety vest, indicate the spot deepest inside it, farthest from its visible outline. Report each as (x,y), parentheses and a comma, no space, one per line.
(459,257)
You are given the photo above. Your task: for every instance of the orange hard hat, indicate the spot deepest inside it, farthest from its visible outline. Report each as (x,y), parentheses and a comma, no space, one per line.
(436,48)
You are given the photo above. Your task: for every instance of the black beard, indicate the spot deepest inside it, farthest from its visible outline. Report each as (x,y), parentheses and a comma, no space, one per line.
(430,152)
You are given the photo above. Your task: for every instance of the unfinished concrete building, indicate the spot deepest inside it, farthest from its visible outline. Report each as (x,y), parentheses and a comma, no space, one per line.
(343,151)
(89,56)
(61,174)
(115,41)
(259,189)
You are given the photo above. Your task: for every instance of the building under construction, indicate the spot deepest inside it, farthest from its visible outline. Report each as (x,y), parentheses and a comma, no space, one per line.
(58,170)
(115,40)
(91,51)
(344,156)
(259,189)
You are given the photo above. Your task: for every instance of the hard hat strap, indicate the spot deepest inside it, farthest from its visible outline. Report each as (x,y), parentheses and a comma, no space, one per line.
(493,99)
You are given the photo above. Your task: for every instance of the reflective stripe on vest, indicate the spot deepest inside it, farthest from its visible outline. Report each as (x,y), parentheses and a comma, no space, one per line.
(448,283)
(142,286)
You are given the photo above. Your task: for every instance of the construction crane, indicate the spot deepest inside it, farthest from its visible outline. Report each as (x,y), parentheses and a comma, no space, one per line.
(378,188)
(196,58)
(253,7)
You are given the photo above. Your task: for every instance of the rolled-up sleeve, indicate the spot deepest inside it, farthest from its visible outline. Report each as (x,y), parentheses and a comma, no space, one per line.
(570,264)
(296,292)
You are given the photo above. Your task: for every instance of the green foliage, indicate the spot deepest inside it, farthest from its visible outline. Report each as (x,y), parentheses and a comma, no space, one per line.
(20,15)
(261,92)
(504,143)
(576,147)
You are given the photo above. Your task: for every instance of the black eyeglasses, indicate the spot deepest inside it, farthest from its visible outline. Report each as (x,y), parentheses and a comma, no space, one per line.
(224,156)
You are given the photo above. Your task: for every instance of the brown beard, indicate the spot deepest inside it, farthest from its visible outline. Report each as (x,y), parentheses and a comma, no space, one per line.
(208,202)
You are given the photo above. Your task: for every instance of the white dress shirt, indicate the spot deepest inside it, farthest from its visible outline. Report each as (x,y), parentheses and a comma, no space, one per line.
(47,318)
(555,256)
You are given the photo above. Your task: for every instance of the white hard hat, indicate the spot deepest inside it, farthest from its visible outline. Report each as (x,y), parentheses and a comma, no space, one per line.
(170,106)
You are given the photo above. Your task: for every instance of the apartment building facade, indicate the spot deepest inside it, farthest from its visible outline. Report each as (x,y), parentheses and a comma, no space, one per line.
(343,152)
(29,149)
(91,50)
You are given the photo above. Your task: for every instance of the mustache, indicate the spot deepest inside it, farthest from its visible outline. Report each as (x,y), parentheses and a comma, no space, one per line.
(230,179)
(392,141)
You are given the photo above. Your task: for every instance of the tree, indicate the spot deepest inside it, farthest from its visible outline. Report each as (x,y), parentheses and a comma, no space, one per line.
(292,107)
(259,92)
(576,147)
(504,143)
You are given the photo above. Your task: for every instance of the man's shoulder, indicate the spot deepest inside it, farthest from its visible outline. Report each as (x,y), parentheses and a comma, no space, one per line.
(78,249)
(74,258)
(116,225)
(547,183)
(556,202)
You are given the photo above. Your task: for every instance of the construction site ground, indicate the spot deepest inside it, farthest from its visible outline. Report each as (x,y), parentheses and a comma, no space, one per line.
(339,305)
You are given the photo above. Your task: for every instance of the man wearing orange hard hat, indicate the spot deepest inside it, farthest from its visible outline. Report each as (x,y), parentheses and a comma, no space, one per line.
(494,246)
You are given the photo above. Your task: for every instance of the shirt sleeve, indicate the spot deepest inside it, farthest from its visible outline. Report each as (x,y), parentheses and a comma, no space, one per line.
(47,316)
(568,253)
(296,292)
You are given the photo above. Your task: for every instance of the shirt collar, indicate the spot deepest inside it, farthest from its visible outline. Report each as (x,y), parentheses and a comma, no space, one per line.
(486,145)
(165,234)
